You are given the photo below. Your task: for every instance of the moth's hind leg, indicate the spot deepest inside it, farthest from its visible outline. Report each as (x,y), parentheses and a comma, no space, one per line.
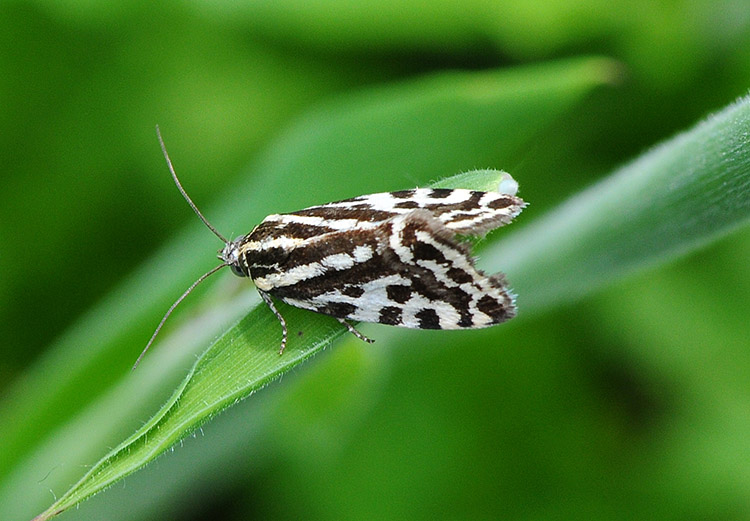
(267,299)
(354,332)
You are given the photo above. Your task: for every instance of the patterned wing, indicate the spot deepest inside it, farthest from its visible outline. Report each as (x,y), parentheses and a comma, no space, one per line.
(406,270)
(467,212)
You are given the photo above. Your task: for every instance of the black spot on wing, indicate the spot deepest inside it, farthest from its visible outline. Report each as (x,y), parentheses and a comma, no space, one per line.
(390,315)
(493,308)
(403,194)
(440,193)
(428,286)
(466,319)
(459,276)
(353,291)
(428,319)
(337,309)
(502,202)
(398,293)
(425,251)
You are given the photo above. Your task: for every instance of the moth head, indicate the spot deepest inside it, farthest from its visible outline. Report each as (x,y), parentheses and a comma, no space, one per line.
(230,255)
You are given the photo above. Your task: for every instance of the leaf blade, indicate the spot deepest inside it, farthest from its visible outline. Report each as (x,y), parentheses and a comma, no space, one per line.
(235,366)
(680,196)
(59,419)
(510,106)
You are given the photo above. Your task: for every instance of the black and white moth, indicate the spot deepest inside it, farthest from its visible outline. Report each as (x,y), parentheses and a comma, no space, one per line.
(391,258)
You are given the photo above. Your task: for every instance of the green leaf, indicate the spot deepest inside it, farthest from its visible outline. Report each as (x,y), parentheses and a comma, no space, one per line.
(697,184)
(697,187)
(673,200)
(239,363)
(683,194)
(396,136)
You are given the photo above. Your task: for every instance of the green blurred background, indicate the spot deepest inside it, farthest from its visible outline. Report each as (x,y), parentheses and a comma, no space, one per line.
(631,404)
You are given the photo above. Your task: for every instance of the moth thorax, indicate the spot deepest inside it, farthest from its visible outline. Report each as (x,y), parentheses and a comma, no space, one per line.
(230,255)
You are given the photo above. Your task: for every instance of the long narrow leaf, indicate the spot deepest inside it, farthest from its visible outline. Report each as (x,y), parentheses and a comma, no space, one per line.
(242,361)
(397,136)
(400,135)
(679,196)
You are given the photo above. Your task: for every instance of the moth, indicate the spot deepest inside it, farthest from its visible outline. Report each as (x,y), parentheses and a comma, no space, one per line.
(392,258)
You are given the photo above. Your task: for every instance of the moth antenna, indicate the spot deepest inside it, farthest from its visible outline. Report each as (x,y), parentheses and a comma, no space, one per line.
(169,311)
(182,190)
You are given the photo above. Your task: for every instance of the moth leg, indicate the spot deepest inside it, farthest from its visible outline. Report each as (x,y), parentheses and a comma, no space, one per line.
(354,332)
(267,299)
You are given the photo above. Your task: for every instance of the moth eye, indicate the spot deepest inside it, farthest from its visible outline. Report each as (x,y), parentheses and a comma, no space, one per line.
(237,270)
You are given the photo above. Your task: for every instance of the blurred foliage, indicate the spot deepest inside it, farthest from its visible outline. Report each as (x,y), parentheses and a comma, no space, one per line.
(629,404)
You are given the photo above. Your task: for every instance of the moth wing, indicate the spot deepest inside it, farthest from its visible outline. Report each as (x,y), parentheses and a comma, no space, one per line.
(479,212)
(466,212)
(407,271)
